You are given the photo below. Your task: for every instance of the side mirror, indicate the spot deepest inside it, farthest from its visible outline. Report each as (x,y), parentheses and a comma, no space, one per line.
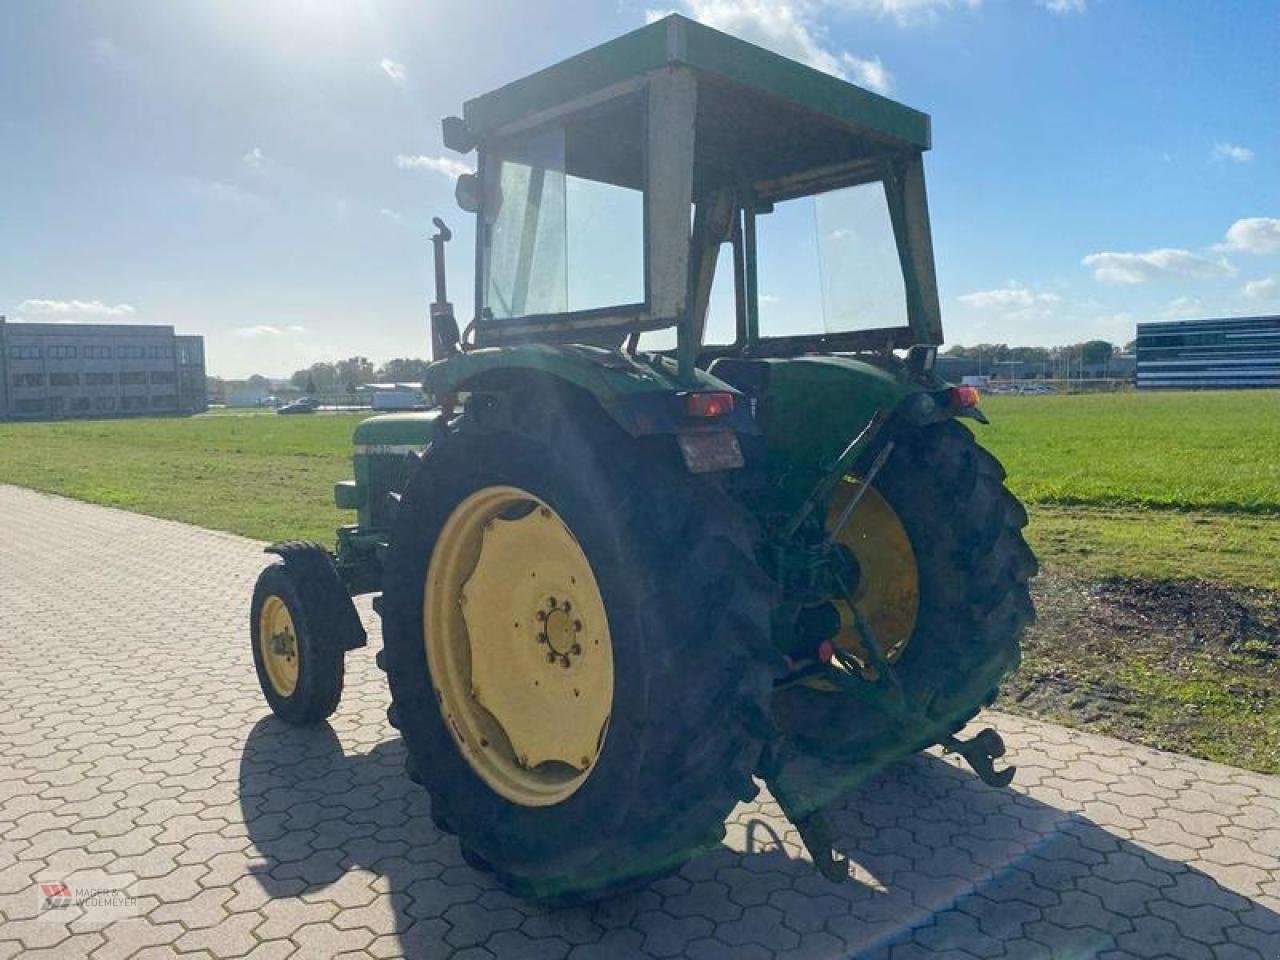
(467,192)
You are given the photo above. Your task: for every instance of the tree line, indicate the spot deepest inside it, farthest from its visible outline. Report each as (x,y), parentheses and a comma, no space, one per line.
(324,377)
(347,375)
(1090,352)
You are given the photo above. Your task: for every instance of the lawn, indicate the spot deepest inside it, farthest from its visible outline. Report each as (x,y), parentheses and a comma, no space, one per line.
(1201,451)
(256,474)
(1175,496)
(1161,485)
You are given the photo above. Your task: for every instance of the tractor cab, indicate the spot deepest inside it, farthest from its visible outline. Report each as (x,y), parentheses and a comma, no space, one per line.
(609,185)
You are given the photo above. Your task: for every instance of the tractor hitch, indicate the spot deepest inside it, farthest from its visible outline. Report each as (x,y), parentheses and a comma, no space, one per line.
(979,752)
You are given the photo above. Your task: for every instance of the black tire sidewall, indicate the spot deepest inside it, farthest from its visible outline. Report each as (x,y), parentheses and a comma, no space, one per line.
(580,505)
(971,559)
(320,661)
(625,801)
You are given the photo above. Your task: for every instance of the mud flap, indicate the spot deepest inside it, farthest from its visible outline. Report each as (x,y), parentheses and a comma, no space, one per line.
(322,589)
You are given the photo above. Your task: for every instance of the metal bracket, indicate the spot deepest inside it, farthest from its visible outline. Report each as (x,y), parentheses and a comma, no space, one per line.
(815,834)
(812,825)
(979,752)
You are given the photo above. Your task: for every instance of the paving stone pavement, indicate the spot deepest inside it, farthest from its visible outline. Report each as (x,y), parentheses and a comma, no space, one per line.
(134,742)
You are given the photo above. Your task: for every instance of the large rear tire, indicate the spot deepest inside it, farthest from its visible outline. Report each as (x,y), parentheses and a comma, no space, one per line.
(687,621)
(973,567)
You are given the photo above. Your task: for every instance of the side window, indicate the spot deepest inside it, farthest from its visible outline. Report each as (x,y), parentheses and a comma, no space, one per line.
(830,264)
(565,214)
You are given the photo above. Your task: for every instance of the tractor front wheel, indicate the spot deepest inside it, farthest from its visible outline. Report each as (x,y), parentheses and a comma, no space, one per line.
(298,658)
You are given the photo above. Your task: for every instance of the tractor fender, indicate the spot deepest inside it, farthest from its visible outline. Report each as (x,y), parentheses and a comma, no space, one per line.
(322,590)
(641,393)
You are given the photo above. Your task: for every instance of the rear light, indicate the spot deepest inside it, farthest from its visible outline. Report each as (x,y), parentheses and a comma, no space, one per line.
(708,404)
(965,396)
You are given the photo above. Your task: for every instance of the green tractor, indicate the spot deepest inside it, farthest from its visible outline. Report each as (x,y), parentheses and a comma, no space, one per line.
(659,538)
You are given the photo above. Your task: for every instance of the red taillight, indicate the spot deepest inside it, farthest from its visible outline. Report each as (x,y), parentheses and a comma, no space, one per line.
(708,404)
(965,396)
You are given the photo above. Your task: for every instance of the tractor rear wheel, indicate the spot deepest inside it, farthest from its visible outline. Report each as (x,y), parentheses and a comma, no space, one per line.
(577,646)
(945,589)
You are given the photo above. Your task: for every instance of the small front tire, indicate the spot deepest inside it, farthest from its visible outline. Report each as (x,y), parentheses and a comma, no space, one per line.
(298,660)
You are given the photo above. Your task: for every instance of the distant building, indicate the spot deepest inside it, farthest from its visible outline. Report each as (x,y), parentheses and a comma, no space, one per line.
(52,371)
(1209,354)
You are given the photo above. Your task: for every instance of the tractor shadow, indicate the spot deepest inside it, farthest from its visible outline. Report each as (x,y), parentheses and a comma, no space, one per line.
(939,858)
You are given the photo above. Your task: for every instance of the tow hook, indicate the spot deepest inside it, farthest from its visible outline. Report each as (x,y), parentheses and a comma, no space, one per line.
(979,752)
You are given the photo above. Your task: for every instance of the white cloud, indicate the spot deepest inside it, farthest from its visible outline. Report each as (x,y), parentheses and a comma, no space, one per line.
(1253,235)
(109,53)
(1233,152)
(254,159)
(867,73)
(788,27)
(1063,7)
(443,165)
(906,12)
(1185,308)
(1130,268)
(74,308)
(1266,289)
(1006,298)
(267,330)
(392,69)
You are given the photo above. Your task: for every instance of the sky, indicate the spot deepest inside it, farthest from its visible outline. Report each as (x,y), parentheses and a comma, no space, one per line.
(265,173)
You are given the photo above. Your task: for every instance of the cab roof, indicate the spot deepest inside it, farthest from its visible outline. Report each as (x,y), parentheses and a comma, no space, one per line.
(777,99)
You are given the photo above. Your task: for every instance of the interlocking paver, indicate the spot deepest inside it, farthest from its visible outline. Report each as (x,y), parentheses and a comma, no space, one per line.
(150,752)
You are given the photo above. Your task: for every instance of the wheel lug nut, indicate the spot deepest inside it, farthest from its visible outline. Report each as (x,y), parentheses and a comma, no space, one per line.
(542,638)
(542,616)
(577,626)
(576,649)
(567,606)
(564,662)
(551,603)
(551,657)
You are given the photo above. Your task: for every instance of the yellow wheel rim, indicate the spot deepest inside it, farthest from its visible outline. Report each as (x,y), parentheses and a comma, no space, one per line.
(278,642)
(888,594)
(518,645)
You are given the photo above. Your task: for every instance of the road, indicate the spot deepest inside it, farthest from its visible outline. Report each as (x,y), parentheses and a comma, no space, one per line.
(136,748)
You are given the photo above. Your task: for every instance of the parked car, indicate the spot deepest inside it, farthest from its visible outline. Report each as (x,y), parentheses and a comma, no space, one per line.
(305,405)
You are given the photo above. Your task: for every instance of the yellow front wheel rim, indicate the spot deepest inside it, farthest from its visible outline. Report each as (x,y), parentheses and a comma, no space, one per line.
(278,644)
(518,646)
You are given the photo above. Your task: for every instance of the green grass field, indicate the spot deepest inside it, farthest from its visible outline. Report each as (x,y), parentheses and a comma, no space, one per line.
(1159,485)
(1167,487)
(1199,451)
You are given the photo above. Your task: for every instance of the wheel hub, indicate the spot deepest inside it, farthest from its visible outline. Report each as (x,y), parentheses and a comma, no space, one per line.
(278,644)
(559,632)
(521,657)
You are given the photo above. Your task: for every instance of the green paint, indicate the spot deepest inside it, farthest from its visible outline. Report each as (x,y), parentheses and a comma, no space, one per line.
(678,40)
(607,375)
(415,427)
(375,468)
(814,407)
